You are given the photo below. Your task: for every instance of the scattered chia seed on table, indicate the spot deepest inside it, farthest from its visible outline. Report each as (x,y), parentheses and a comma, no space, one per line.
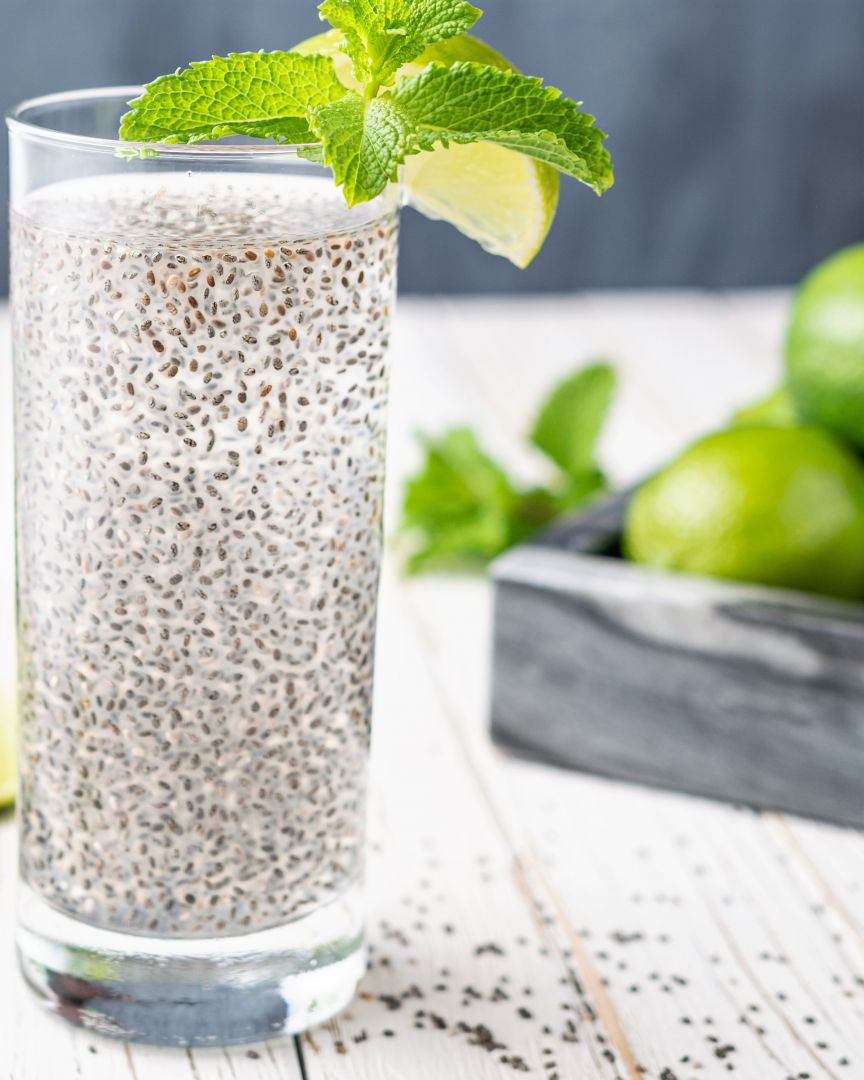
(200,437)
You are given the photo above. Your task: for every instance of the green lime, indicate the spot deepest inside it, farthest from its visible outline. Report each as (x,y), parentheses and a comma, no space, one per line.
(500,198)
(825,345)
(775,410)
(772,505)
(7,749)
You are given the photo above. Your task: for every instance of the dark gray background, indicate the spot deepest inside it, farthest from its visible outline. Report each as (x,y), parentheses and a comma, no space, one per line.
(736,126)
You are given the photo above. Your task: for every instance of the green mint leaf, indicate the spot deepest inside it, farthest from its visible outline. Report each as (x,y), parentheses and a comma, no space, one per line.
(265,95)
(468,102)
(365,141)
(383,35)
(459,506)
(457,479)
(570,421)
(361,37)
(430,22)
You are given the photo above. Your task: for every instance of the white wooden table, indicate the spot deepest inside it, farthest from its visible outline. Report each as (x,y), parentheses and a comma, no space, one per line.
(525,919)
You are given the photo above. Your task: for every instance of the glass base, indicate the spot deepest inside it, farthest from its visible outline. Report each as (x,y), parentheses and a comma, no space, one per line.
(194,991)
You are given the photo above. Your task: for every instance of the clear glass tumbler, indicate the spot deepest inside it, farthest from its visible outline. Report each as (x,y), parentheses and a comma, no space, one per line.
(200,348)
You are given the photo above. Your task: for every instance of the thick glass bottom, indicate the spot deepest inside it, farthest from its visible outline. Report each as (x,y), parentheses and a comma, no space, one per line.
(194,992)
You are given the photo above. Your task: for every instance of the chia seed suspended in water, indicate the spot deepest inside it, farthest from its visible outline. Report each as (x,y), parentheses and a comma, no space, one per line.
(200,437)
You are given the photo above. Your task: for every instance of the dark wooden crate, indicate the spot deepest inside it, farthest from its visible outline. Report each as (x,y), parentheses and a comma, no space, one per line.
(748,694)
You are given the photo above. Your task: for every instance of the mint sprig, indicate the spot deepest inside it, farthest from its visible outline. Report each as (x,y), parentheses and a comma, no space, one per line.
(461,508)
(365,135)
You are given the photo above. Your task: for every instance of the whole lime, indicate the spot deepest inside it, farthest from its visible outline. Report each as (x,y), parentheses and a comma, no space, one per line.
(825,346)
(775,506)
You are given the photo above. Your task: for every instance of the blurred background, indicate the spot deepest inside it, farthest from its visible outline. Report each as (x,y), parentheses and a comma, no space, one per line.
(737,127)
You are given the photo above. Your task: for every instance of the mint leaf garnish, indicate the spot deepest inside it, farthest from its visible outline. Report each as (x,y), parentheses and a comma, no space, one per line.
(569,423)
(265,95)
(383,35)
(364,127)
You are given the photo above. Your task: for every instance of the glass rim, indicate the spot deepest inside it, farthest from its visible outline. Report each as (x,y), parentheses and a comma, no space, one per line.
(17,123)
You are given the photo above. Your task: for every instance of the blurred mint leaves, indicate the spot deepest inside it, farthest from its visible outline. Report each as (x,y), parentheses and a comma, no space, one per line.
(462,509)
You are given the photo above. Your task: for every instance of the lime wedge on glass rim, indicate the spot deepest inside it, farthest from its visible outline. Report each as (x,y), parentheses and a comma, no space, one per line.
(500,198)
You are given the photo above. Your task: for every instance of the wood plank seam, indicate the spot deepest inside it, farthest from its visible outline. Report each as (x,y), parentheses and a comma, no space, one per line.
(803,859)
(534,881)
(759,987)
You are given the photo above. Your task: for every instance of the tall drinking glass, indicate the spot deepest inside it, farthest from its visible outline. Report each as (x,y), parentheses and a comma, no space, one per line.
(200,349)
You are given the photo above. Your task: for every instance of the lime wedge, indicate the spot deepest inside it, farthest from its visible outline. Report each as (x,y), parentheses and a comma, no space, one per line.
(503,200)
(7,749)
